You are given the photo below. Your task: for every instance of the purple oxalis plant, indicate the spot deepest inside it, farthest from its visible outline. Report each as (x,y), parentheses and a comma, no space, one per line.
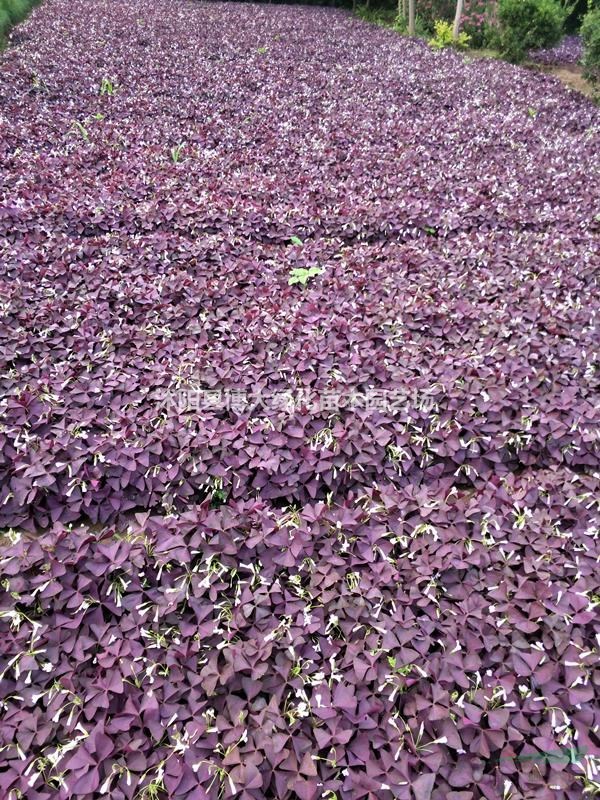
(344,599)
(568,51)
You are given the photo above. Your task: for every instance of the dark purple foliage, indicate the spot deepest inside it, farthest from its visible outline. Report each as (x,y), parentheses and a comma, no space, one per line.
(264,603)
(568,51)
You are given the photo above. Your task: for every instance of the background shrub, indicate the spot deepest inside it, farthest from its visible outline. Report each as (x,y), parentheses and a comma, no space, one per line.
(4,23)
(431,10)
(443,37)
(590,33)
(12,12)
(477,17)
(529,24)
(479,29)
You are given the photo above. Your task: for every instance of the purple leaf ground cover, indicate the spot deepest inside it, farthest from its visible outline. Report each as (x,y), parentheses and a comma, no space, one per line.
(568,51)
(388,591)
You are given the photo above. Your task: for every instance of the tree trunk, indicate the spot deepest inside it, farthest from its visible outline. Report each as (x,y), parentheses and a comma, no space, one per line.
(411,17)
(457,18)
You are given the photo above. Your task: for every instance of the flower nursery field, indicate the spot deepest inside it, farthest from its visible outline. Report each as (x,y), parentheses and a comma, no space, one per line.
(299,456)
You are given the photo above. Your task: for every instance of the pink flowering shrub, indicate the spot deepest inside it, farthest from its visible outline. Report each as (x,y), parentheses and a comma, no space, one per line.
(478,15)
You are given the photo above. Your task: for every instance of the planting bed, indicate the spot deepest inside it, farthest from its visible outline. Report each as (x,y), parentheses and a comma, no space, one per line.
(213,595)
(568,51)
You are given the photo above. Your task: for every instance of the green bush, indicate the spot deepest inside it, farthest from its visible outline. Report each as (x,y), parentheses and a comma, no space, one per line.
(529,24)
(401,26)
(4,23)
(430,10)
(17,10)
(442,36)
(12,12)
(376,16)
(590,34)
(480,34)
